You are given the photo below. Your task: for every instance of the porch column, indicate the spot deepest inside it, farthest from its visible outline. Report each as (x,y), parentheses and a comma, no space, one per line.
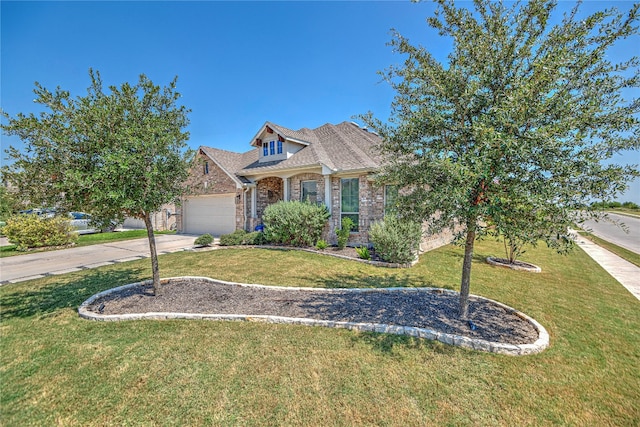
(327,192)
(254,201)
(285,182)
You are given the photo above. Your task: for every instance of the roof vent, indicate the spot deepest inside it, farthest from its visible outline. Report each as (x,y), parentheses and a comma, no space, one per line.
(355,124)
(365,129)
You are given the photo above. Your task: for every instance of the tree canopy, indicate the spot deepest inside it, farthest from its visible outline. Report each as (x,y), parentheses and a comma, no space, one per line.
(513,129)
(116,154)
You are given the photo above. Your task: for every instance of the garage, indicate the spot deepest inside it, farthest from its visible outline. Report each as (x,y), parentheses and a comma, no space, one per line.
(215,214)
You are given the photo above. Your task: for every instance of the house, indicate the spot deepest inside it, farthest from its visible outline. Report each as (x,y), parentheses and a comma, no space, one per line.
(333,165)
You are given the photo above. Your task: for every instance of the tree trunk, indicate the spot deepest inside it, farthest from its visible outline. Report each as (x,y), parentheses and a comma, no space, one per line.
(154,254)
(466,270)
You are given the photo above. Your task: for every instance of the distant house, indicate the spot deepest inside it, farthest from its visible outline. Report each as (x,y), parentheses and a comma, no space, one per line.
(333,165)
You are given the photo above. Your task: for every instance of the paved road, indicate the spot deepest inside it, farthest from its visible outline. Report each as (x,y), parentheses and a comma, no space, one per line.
(615,234)
(40,264)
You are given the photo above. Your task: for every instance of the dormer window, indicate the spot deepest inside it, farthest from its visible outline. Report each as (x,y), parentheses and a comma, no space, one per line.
(265,149)
(279,147)
(272,147)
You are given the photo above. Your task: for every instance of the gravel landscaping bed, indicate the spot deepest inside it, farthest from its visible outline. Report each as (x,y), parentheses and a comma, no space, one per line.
(427,308)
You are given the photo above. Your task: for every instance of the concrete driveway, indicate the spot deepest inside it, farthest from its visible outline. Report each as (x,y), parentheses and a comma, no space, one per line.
(32,266)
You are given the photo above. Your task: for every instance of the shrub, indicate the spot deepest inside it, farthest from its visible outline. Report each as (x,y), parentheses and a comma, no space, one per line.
(233,239)
(396,240)
(343,233)
(204,240)
(630,205)
(255,238)
(32,231)
(241,237)
(363,252)
(294,223)
(321,245)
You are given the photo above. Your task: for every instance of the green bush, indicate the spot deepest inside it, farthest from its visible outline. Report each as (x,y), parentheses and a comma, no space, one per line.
(204,240)
(363,252)
(32,231)
(294,223)
(343,233)
(396,240)
(255,238)
(321,245)
(233,239)
(241,237)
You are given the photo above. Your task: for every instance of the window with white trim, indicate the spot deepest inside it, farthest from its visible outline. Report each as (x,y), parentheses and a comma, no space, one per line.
(272,147)
(265,149)
(279,147)
(350,200)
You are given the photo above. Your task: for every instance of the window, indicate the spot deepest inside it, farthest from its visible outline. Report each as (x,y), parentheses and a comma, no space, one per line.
(265,149)
(309,191)
(272,147)
(279,147)
(390,199)
(206,168)
(350,200)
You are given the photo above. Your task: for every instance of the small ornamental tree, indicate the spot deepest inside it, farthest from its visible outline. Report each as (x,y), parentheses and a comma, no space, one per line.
(115,154)
(519,119)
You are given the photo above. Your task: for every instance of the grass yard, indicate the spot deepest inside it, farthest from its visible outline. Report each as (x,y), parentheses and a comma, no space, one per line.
(59,369)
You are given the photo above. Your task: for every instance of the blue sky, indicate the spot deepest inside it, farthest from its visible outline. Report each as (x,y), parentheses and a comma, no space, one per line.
(239,64)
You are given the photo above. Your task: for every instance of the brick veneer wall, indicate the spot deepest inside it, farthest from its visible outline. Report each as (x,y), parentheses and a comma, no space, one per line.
(215,182)
(269,191)
(295,184)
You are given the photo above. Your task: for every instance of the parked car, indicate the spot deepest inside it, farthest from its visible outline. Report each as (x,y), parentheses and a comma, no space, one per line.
(42,212)
(82,223)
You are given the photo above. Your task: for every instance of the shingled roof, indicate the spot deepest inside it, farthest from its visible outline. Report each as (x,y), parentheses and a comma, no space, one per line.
(341,148)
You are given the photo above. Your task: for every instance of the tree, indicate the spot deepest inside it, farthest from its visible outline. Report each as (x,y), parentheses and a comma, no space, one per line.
(112,154)
(520,117)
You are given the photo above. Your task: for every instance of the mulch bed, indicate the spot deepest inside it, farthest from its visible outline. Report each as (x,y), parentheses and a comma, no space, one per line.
(435,310)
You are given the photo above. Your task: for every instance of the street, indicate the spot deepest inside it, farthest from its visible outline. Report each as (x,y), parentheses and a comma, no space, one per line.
(614,233)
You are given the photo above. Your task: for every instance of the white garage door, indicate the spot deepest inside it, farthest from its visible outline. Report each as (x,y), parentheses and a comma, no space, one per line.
(210,214)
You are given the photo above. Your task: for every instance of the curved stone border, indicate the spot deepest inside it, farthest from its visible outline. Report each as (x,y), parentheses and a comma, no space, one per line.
(532,269)
(458,340)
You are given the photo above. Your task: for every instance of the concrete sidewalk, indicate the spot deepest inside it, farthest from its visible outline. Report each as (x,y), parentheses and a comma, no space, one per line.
(622,270)
(33,266)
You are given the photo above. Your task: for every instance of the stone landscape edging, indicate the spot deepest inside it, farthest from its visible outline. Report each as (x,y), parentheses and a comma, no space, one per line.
(457,340)
(532,269)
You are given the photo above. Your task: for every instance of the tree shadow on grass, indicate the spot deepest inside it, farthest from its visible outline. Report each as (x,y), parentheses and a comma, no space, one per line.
(29,299)
(387,344)
(332,281)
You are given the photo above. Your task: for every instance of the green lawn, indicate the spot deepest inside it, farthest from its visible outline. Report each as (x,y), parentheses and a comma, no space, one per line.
(88,239)
(59,369)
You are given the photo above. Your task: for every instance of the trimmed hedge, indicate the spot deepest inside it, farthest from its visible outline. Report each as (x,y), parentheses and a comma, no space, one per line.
(295,223)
